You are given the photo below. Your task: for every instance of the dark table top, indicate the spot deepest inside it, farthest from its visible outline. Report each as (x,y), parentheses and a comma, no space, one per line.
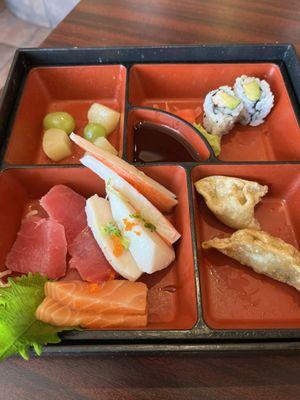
(256,375)
(222,376)
(147,22)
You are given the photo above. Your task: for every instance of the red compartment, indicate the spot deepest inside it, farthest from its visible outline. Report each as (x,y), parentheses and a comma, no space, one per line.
(186,85)
(70,89)
(140,115)
(172,303)
(234,296)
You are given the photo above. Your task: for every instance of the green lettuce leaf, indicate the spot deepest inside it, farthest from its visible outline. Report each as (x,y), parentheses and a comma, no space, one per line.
(19,329)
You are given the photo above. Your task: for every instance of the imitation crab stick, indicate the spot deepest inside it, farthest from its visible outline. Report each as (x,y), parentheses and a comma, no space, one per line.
(161,197)
(163,227)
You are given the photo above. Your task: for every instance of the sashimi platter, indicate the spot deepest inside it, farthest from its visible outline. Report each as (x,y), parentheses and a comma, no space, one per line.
(150,203)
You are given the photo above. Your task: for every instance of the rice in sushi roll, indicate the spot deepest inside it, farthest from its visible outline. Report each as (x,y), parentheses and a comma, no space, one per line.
(257,98)
(221,110)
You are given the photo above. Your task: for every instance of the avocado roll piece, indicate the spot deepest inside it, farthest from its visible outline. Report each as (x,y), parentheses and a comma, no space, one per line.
(222,108)
(257,98)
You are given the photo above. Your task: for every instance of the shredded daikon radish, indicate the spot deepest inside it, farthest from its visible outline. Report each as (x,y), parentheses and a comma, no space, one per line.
(31,213)
(4,273)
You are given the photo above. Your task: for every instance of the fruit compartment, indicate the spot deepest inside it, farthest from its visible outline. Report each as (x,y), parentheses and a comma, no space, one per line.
(72,89)
(153,148)
(173,87)
(172,294)
(234,296)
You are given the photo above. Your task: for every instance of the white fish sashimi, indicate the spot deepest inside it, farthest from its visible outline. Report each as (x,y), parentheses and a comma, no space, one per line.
(148,249)
(99,214)
(163,227)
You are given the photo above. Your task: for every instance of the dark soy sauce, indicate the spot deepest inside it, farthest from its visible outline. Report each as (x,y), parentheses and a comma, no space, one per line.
(153,142)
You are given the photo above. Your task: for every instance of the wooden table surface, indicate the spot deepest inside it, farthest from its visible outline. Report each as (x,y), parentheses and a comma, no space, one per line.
(146,22)
(257,375)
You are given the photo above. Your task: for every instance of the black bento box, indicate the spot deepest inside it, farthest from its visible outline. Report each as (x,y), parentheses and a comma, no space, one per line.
(143,79)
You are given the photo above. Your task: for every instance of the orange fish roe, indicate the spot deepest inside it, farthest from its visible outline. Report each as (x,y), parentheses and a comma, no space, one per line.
(117,246)
(137,233)
(128,225)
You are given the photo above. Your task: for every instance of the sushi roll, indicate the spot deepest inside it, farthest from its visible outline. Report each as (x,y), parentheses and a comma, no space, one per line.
(257,98)
(221,110)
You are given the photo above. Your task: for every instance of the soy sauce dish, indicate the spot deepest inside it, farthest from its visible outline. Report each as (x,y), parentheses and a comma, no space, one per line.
(150,203)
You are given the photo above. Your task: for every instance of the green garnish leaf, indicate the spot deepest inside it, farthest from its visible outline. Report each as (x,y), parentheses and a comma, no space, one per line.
(109,183)
(125,242)
(19,328)
(213,140)
(147,224)
(111,229)
(150,226)
(137,216)
(111,189)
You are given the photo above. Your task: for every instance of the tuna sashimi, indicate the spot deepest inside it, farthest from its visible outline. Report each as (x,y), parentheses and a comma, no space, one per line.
(40,247)
(88,259)
(65,206)
(55,313)
(71,275)
(161,197)
(111,297)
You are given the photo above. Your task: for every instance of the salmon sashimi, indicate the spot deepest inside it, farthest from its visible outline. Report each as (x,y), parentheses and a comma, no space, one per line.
(88,259)
(40,247)
(111,297)
(67,207)
(55,313)
(161,197)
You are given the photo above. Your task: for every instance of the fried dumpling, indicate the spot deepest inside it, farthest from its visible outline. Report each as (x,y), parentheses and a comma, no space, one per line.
(264,253)
(232,200)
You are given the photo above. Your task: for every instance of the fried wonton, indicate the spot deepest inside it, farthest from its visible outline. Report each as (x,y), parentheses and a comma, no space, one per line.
(264,253)
(232,200)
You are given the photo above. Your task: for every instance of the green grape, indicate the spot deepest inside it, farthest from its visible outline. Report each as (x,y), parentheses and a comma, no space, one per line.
(94,131)
(60,120)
